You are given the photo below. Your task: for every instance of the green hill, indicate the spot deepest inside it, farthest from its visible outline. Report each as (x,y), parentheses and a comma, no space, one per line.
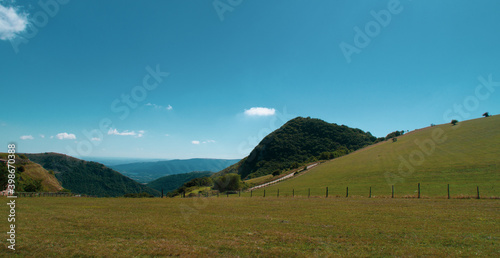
(464,156)
(298,141)
(90,178)
(145,172)
(31,177)
(172,182)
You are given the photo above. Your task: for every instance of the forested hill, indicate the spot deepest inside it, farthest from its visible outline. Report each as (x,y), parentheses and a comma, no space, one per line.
(297,141)
(92,178)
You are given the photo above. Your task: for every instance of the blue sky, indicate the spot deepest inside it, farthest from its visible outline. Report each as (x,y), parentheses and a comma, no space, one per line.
(209,79)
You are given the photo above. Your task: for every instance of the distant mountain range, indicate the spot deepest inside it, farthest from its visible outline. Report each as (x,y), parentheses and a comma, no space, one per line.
(114,161)
(87,177)
(172,182)
(297,141)
(145,172)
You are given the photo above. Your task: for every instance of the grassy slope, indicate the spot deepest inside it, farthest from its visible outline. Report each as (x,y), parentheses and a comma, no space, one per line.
(469,157)
(119,227)
(49,182)
(35,171)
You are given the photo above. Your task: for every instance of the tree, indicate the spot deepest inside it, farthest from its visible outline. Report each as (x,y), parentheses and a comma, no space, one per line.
(228,182)
(33,185)
(486,114)
(454,122)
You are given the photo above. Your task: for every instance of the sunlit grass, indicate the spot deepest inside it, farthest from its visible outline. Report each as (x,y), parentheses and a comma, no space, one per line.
(254,226)
(467,157)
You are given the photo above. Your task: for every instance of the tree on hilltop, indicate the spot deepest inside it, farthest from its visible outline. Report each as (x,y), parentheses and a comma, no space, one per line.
(486,114)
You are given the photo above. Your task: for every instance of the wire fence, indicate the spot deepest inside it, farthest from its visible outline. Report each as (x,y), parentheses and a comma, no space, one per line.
(449,191)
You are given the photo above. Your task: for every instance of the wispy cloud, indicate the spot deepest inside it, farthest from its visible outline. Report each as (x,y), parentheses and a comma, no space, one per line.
(41,135)
(260,111)
(139,133)
(155,106)
(12,22)
(96,139)
(65,136)
(26,137)
(203,142)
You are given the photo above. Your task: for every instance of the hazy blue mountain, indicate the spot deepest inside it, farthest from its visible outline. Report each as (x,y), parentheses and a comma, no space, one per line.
(145,172)
(114,161)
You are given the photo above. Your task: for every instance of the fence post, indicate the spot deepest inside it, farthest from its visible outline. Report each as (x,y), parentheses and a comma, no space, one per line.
(478,197)
(370,196)
(227,193)
(418,190)
(347,192)
(392,191)
(327,192)
(448,191)
(264,192)
(309,193)
(217,194)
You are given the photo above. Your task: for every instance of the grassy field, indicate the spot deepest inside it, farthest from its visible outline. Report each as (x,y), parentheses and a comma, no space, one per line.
(464,156)
(301,227)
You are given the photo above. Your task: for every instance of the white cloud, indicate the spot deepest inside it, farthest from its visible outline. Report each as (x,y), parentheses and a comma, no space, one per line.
(124,133)
(26,137)
(169,107)
(139,133)
(260,111)
(203,142)
(41,135)
(12,22)
(65,136)
(95,139)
